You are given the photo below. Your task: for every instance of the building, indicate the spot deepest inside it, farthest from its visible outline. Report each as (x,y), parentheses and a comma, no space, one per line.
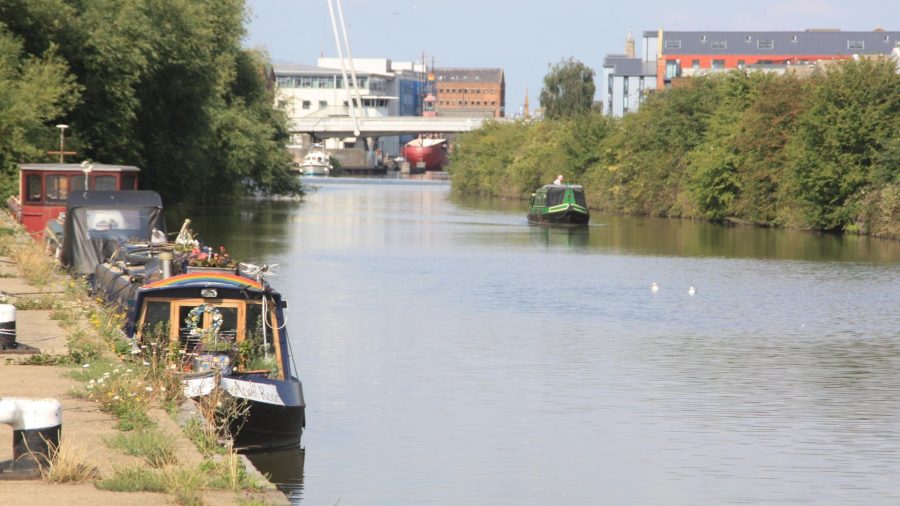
(386,88)
(626,80)
(470,92)
(673,55)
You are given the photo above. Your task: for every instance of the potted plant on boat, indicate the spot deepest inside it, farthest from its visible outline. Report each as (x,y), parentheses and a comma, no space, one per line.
(206,259)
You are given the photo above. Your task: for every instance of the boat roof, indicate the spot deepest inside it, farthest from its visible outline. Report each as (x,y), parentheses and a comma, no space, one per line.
(572,186)
(122,198)
(206,280)
(76,167)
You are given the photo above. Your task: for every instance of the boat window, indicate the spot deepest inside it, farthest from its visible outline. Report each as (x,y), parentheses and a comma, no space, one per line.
(254,321)
(540,199)
(77,183)
(107,183)
(229,322)
(33,188)
(185,339)
(57,187)
(579,198)
(127,182)
(156,313)
(555,196)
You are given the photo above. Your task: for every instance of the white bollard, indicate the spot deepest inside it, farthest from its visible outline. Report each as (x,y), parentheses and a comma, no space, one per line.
(7,327)
(36,424)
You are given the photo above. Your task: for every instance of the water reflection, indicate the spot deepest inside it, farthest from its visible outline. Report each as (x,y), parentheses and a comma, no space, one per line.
(251,230)
(284,468)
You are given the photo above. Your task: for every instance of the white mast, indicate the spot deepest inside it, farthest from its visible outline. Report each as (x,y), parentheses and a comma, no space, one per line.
(359,102)
(337,41)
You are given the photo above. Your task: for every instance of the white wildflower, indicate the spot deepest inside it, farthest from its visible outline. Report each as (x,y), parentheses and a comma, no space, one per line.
(149,389)
(86,366)
(145,362)
(162,389)
(116,398)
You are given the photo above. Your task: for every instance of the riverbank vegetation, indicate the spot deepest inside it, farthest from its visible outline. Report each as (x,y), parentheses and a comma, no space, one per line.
(163,85)
(820,153)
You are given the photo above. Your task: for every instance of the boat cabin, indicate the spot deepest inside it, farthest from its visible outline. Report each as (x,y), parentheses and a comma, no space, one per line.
(184,311)
(44,188)
(562,204)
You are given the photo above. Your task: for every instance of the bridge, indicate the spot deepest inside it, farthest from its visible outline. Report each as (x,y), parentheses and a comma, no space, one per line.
(384,126)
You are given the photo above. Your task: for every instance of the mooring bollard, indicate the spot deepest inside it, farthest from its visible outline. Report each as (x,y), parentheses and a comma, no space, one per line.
(7,327)
(37,424)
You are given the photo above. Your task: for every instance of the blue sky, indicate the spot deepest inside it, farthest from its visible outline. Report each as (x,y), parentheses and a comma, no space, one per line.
(524,37)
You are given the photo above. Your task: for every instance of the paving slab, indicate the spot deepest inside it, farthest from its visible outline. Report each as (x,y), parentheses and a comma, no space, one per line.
(35,328)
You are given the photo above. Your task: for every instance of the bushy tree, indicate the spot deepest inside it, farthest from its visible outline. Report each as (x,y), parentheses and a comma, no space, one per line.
(168,87)
(838,151)
(568,89)
(35,91)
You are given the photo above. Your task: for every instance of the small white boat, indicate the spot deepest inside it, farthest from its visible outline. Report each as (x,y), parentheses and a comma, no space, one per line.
(316,162)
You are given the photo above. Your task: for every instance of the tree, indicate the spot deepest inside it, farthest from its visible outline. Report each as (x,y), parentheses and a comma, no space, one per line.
(568,89)
(34,92)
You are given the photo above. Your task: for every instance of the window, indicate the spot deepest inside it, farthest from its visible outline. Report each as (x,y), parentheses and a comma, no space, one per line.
(156,314)
(57,187)
(307,104)
(718,64)
(104,183)
(127,182)
(741,63)
(794,39)
(719,44)
(856,44)
(748,39)
(323,104)
(673,44)
(765,44)
(695,64)
(33,188)
(77,183)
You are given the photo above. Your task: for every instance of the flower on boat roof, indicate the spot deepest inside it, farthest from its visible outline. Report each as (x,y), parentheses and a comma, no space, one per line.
(207,257)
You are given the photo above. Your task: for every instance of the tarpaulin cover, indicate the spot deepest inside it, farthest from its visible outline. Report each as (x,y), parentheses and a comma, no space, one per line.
(97,221)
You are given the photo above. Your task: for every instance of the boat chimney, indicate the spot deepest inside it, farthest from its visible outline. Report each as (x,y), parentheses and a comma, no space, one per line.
(165,258)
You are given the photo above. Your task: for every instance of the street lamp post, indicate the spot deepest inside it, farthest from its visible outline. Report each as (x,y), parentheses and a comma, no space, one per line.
(62,144)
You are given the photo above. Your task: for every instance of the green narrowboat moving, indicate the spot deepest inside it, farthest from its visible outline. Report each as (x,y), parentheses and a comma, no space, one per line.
(559,204)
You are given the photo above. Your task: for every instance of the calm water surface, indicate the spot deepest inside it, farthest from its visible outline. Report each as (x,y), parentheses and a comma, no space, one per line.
(453,354)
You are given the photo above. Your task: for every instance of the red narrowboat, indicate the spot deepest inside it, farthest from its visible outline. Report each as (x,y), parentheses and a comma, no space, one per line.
(44,188)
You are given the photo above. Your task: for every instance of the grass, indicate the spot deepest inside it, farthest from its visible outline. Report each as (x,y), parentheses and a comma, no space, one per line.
(33,264)
(152,445)
(42,302)
(69,465)
(134,479)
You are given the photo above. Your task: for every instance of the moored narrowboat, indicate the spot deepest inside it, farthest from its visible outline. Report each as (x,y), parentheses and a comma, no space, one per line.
(559,204)
(228,327)
(44,188)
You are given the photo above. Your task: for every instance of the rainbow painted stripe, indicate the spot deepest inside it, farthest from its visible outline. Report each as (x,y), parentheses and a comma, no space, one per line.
(205,277)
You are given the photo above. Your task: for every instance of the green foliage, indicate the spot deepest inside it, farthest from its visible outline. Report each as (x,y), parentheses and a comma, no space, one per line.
(818,153)
(568,89)
(35,91)
(162,84)
(155,447)
(846,141)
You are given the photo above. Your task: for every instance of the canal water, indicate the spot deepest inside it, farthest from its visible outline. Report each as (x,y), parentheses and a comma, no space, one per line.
(452,354)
